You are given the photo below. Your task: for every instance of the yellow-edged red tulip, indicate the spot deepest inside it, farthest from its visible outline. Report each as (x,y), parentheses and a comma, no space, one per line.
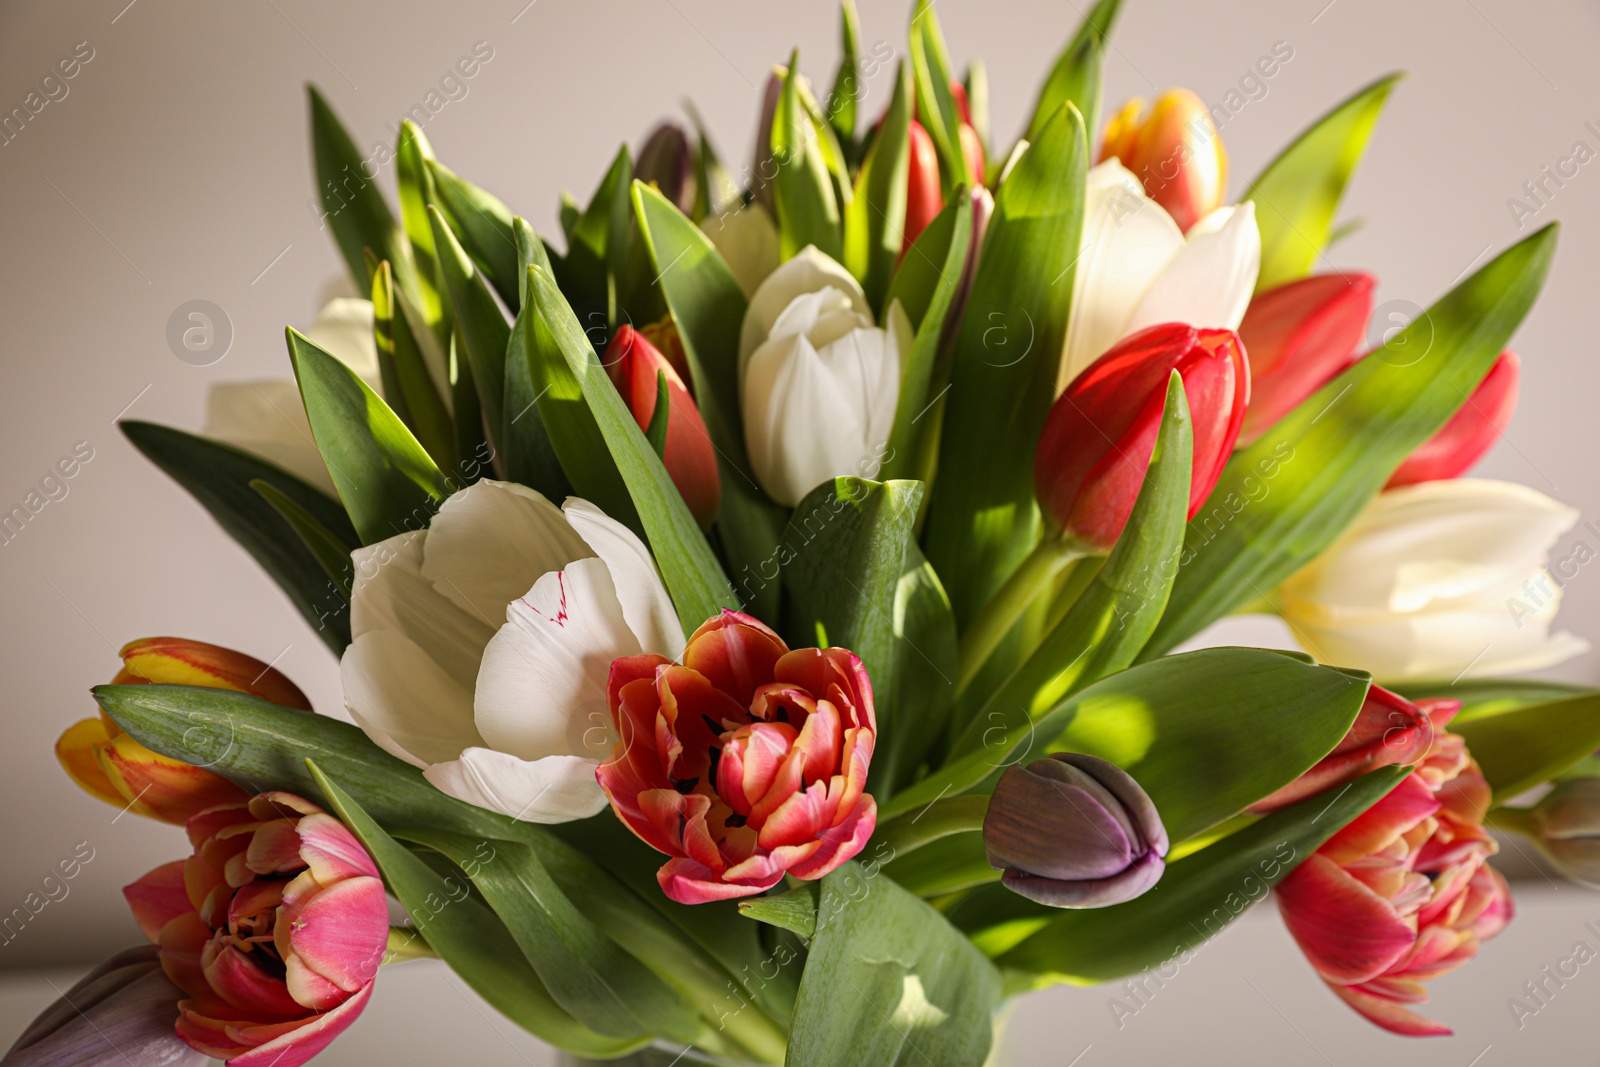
(1176,152)
(109,764)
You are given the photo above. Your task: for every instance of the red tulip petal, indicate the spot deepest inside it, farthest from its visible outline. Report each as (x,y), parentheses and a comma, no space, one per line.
(332,852)
(842,842)
(1347,931)
(688,882)
(182,941)
(736,653)
(240,981)
(158,898)
(298,1046)
(342,931)
(1389,1015)
(1402,808)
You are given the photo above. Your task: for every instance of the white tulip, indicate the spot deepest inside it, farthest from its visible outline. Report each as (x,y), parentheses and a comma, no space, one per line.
(747,239)
(818,382)
(483,643)
(268,419)
(1136,268)
(1441,579)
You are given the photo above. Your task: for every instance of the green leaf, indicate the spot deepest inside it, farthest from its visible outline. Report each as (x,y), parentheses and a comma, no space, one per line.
(1525,746)
(597,245)
(468,936)
(1194,900)
(889,982)
(386,479)
(482,223)
(844,100)
(656,432)
(474,450)
(220,478)
(977,86)
(1482,697)
(708,307)
(936,105)
(405,375)
(1075,76)
(527,453)
(844,554)
(982,519)
(415,186)
(332,554)
(938,820)
(351,202)
(807,209)
(1285,498)
(875,218)
(481,327)
(586,973)
(1298,194)
(795,911)
(561,355)
(948,864)
(1111,620)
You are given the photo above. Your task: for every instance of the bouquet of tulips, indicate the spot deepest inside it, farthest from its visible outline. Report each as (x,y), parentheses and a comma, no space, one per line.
(761,605)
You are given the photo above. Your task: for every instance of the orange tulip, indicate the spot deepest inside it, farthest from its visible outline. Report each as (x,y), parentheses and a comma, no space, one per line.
(109,764)
(1175,150)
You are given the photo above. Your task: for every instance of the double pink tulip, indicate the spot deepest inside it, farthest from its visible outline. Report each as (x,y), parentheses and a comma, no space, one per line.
(273,929)
(1402,894)
(745,762)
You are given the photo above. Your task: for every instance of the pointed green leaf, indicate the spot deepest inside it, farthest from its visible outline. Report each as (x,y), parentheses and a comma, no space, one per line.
(219,478)
(406,377)
(936,105)
(482,223)
(982,519)
(480,325)
(875,219)
(412,154)
(1298,194)
(1285,498)
(351,201)
(807,210)
(843,102)
(977,85)
(795,911)
(386,479)
(1076,74)
(597,245)
(1525,746)
(332,554)
(656,432)
(1490,696)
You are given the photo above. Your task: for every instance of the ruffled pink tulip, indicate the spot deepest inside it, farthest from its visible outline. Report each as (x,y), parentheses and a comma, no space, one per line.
(1389,731)
(273,929)
(1298,336)
(1462,441)
(1402,894)
(745,762)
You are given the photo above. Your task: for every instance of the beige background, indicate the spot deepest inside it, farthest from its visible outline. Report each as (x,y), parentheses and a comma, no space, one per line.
(177,167)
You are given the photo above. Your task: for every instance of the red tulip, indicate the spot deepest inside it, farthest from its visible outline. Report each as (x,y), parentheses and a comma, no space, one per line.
(633,364)
(744,763)
(273,928)
(1297,337)
(971,143)
(1097,441)
(923,197)
(1402,894)
(1389,731)
(1463,440)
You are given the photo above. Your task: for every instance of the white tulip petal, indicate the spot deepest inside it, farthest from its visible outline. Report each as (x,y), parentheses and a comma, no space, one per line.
(344,329)
(1207,284)
(809,271)
(645,603)
(1128,240)
(491,541)
(802,426)
(392,595)
(394,686)
(555,789)
(542,688)
(748,242)
(267,419)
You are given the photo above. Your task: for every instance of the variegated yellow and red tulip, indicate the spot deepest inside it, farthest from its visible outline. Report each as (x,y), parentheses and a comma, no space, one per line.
(273,929)
(745,762)
(1402,894)
(1176,152)
(111,765)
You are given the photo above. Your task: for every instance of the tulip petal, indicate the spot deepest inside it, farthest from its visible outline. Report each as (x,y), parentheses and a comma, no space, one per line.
(398,693)
(179,661)
(1208,283)
(243,983)
(332,852)
(688,882)
(158,898)
(267,419)
(114,1016)
(340,934)
(840,843)
(301,1044)
(1133,881)
(1389,1015)
(736,652)
(344,329)
(1348,932)
(392,594)
(809,271)
(162,787)
(554,789)
(639,589)
(78,751)
(748,242)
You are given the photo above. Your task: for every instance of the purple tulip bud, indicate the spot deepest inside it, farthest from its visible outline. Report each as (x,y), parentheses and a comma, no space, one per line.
(122,1013)
(667,160)
(1073,831)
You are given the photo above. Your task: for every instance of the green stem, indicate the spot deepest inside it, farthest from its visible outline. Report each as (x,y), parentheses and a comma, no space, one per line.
(946,816)
(1517,820)
(1033,577)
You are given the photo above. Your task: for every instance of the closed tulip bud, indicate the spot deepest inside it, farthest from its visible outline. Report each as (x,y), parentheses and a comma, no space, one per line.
(111,765)
(1462,441)
(1297,337)
(120,1013)
(1389,731)
(1073,831)
(1175,150)
(923,197)
(666,160)
(1565,825)
(634,365)
(1097,440)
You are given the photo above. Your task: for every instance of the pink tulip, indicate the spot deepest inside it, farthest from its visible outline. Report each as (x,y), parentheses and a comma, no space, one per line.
(744,763)
(1471,432)
(1389,731)
(273,929)
(1402,894)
